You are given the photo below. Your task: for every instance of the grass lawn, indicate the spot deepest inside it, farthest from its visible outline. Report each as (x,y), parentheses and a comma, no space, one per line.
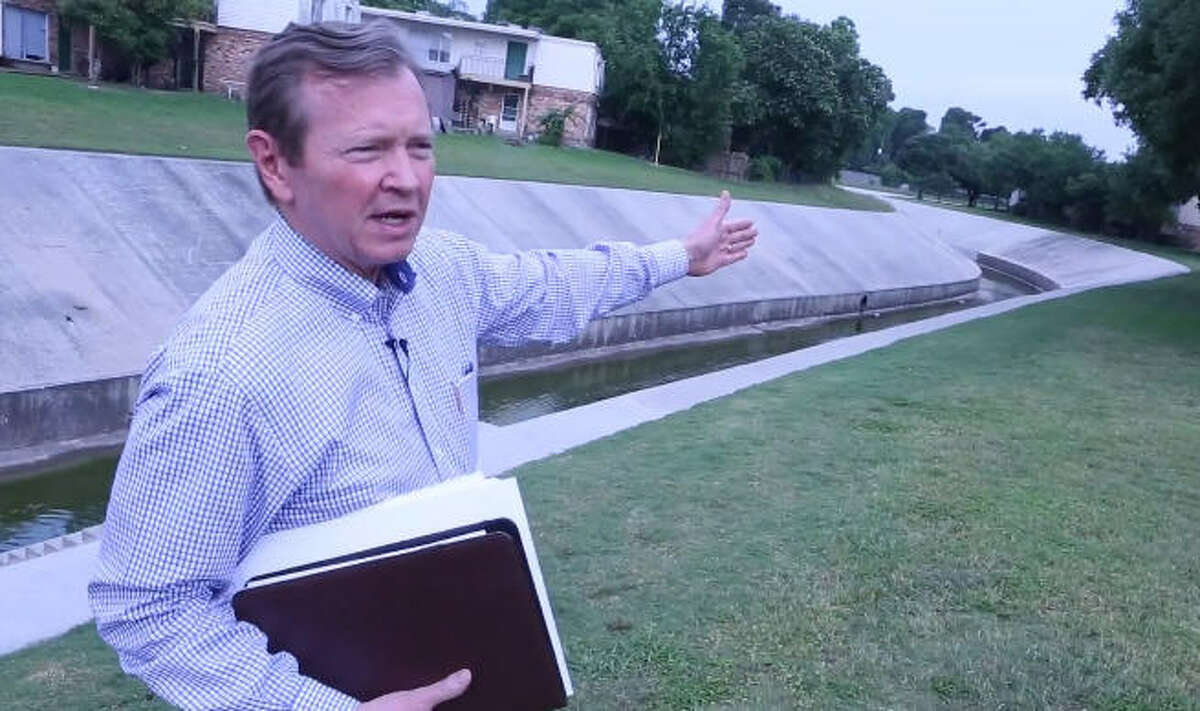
(58,113)
(1001,515)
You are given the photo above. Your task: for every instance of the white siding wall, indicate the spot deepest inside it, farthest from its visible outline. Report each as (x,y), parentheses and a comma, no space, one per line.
(273,15)
(569,64)
(1189,213)
(337,10)
(261,15)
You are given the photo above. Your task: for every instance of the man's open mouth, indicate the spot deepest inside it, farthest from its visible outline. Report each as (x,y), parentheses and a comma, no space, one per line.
(394,217)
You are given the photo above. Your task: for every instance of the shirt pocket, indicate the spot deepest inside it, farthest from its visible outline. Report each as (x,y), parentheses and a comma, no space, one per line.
(465,392)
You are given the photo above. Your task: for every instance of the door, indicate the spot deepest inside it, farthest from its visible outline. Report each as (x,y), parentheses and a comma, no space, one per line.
(12,32)
(514,65)
(509,110)
(34,36)
(25,34)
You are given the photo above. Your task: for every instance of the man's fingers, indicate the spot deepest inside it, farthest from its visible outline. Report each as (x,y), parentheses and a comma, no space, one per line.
(722,207)
(451,687)
(742,235)
(739,225)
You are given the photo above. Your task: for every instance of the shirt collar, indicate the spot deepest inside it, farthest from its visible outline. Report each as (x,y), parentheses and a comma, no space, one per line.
(315,270)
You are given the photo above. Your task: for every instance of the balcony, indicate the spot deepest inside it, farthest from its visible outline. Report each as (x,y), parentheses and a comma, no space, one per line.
(491,70)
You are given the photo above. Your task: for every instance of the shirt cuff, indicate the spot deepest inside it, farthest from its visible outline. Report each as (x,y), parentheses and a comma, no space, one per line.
(315,695)
(670,261)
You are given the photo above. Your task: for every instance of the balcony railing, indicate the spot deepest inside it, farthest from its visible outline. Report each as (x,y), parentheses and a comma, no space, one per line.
(490,67)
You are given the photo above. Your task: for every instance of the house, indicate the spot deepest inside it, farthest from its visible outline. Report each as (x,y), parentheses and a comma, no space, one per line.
(242,26)
(502,78)
(1187,221)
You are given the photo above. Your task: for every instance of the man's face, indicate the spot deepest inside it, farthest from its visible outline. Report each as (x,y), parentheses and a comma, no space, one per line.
(362,186)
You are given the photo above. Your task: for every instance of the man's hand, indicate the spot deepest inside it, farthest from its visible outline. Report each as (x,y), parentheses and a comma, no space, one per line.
(423,699)
(716,243)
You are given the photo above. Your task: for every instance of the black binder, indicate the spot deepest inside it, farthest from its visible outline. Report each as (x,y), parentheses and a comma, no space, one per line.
(407,615)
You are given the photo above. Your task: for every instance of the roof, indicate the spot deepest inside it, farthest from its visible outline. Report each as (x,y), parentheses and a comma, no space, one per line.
(510,30)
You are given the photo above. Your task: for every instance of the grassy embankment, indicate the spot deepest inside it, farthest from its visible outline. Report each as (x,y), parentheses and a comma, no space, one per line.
(57,113)
(1001,515)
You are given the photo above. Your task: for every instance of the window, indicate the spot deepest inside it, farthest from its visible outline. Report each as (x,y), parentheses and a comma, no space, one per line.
(26,34)
(439,48)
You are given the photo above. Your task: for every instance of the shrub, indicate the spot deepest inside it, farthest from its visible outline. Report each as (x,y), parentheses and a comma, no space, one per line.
(766,168)
(554,125)
(891,175)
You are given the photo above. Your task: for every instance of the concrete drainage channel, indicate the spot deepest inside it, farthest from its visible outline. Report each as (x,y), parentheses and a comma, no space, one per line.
(46,505)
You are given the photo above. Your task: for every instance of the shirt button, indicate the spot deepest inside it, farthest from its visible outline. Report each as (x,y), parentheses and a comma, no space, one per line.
(437,452)
(356,318)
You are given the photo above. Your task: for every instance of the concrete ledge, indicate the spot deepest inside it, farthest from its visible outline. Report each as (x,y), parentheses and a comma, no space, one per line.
(643,326)
(64,412)
(1017,271)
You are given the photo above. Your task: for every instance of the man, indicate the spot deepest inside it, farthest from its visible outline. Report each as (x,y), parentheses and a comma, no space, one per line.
(332,367)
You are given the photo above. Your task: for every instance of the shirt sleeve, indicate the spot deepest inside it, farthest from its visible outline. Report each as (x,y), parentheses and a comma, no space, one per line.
(551,295)
(185,506)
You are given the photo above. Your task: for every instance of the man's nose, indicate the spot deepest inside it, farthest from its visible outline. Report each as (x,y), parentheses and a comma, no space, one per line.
(400,173)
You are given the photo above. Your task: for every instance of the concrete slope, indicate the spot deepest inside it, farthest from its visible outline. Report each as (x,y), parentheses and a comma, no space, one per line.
(1047,258)
(99,254)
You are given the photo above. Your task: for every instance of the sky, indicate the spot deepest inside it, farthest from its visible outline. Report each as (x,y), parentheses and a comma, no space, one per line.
(1016,63)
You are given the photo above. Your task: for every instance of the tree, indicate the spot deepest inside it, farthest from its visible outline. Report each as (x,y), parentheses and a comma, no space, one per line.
(140,29)
(966,156)
(449,8)
(808,97)
(738,14)
(926,158)
(909,123)
(1149,73)
(1139,199)
(961,125)
(576,19)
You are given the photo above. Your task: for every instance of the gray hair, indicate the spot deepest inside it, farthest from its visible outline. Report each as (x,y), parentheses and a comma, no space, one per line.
(323,48)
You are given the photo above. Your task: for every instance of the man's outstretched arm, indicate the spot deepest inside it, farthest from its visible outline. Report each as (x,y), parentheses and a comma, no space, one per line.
(551,295)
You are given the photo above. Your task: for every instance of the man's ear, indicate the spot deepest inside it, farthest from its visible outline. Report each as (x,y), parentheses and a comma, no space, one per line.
(272,166)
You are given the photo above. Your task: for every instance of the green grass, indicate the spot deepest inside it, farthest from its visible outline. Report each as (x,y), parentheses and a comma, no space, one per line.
(58,113)
(1001,515)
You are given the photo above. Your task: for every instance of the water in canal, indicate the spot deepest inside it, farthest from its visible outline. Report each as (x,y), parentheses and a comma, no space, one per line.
(39,507)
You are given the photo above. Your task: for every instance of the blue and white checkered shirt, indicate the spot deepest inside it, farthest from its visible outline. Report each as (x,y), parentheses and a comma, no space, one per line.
(277,402)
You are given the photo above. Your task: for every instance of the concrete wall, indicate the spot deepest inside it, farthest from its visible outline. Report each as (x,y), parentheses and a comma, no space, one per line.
(1040,256)
(86,299)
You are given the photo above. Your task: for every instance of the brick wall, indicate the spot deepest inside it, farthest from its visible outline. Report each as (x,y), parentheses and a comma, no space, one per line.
(227,55)
(581,127)
(49,7)
(486,100)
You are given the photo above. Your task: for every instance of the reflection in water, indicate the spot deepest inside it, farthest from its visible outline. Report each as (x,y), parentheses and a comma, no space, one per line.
(70,499)
(49,505)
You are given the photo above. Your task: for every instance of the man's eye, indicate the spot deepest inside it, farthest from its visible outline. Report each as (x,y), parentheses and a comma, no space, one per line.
(366,148)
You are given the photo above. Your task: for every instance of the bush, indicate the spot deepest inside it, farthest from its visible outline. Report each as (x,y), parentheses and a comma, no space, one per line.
(891,176)
(765,168)
(554,125)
